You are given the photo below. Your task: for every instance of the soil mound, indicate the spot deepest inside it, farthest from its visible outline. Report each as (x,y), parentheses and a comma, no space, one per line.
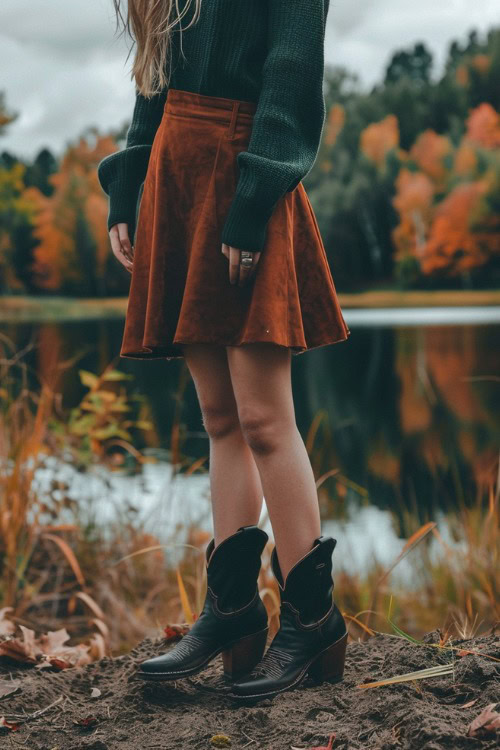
(104,706)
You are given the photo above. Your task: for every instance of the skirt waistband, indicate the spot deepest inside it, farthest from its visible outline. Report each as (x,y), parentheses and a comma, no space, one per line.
(218,108)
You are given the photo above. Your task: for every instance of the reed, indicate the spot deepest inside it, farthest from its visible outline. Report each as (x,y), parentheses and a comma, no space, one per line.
(60,569)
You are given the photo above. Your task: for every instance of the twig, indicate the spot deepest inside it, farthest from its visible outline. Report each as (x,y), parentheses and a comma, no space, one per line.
(249,738)
(35,714)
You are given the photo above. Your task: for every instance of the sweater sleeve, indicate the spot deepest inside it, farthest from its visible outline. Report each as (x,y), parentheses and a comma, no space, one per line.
(122,173)
(288,121)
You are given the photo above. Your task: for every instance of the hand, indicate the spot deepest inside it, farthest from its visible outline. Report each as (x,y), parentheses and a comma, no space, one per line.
(120,244)
(239,274)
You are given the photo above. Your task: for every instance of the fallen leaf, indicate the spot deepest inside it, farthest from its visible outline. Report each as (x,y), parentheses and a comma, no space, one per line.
(8,725)
(469,704)
(71,656)
(331,740)
(488,722)
(87,723)
(6,626)
(21,649)
(56,663)
(174,632)
(9,687)
(55,652)
(50,649)
(220,740)
(53,641)
(95,693)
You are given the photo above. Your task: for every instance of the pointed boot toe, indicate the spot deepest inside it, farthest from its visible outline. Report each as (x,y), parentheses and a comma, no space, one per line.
(187,657)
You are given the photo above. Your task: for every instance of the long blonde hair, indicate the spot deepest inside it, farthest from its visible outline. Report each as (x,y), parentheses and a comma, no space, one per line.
(149,24)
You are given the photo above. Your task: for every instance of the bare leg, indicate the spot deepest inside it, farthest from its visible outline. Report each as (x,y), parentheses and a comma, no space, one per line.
(261,379)
(234,479)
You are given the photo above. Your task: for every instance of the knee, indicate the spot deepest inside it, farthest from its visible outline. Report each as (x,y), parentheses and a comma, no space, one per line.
(261,431)
(219,421)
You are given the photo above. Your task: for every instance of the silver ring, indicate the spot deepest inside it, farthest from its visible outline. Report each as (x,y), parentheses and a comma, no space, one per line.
(246,258)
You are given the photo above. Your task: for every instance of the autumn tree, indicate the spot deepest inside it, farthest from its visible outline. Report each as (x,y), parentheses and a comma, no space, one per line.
(16,216)
(71,224)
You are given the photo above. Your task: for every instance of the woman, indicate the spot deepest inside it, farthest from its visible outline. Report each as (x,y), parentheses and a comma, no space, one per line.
(229,271)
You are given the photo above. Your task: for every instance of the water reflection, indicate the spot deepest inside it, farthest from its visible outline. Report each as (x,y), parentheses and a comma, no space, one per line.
(407,414)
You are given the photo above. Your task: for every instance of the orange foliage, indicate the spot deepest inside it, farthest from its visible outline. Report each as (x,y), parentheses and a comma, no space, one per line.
(77,198)
(429,152)
(483,126)
(379,138)
(384,464)
(451,356)
(326,165)
(413,201)
(55,225)
(451,244)
(434,367)
(481,63)
(465,162)
(460,232)
(434,451)
(334,124)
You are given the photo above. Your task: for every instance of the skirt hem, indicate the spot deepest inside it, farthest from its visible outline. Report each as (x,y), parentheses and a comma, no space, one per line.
(296,348)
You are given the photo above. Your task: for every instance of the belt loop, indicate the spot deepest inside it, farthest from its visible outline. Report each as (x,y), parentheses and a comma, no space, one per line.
(234,116)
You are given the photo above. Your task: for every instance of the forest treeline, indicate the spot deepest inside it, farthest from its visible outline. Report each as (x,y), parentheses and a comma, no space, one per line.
(406,186)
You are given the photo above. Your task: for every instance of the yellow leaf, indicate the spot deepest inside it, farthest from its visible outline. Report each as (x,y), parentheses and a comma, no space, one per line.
(220,740)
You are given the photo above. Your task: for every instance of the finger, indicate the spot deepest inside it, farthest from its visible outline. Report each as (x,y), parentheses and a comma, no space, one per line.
(116,247)
(234,265)
(245,272)
(250,272)
(123,235)
(125,241)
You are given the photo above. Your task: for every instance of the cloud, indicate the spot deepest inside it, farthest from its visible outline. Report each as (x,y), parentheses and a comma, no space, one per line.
(63,67)
(364,35)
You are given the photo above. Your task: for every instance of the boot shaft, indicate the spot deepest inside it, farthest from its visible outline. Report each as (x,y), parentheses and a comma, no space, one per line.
(233,567)
(309,584)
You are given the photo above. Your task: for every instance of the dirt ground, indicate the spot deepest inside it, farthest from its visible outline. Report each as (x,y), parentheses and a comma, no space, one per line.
(103,706)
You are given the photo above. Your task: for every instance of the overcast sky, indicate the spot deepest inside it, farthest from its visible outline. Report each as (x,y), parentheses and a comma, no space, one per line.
(63,69)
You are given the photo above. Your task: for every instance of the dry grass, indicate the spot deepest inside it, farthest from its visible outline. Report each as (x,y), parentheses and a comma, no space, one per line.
(115,581)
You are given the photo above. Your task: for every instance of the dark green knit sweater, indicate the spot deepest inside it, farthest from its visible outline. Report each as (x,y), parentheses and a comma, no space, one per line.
(267,51)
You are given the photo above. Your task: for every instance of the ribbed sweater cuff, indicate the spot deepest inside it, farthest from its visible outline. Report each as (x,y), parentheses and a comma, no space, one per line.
(246,223)
(122,204)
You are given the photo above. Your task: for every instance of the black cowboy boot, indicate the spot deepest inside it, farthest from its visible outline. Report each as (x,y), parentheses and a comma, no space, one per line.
(233,620)
(312,637)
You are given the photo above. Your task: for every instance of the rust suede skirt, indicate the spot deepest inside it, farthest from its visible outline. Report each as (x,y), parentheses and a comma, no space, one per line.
(179,289)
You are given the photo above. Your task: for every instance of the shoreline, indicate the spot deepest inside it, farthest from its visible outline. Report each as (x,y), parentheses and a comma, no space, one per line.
(23,308)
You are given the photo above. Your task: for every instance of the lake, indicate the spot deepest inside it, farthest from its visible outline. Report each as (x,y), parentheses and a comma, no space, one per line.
(406,411)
